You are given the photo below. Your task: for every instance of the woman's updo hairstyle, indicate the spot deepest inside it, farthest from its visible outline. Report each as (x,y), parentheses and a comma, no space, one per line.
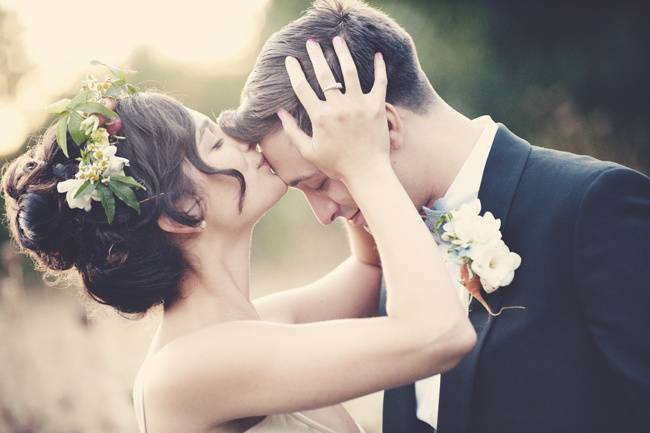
(131,264)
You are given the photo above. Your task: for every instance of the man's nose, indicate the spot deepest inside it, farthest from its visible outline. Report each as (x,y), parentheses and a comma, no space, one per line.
(324,209)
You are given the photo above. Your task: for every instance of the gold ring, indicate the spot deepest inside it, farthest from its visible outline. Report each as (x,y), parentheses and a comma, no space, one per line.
(333,86)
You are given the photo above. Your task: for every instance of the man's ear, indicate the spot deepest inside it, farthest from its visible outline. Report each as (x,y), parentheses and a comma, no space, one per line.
(395,127)
(172,226)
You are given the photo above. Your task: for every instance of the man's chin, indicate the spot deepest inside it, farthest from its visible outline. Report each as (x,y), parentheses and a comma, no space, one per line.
(358,220)
(361,222)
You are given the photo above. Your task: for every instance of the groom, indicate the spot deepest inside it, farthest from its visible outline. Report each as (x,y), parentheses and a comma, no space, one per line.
(577,358)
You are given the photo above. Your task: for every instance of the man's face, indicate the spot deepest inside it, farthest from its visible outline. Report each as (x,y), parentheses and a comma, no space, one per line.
(327,197)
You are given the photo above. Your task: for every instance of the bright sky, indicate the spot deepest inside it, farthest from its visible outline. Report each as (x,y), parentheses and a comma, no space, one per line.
(62,37)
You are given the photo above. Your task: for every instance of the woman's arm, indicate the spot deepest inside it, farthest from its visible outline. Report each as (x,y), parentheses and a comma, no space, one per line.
(351,290)
(251,368)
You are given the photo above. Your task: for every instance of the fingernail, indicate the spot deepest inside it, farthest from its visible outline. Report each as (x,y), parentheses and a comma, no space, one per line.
(282,114)
(379,56)
(312,41)
(338,40)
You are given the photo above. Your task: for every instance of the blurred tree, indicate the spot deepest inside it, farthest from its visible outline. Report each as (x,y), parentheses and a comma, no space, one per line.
(13,63)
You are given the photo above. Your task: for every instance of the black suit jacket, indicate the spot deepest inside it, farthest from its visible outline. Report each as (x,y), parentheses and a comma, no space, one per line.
(577,359)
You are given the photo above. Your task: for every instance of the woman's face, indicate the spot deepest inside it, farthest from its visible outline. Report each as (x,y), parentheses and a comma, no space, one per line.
(221,192)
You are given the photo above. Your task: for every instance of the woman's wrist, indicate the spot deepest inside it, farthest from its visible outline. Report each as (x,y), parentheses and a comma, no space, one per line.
(366,185)
(365,173)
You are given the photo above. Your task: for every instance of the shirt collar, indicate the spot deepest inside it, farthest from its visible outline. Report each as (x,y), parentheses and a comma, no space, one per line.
(467,182)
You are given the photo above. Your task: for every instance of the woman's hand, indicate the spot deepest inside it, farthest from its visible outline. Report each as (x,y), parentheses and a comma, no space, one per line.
(350,130)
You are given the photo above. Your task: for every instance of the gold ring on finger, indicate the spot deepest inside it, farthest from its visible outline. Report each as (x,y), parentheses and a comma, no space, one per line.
(336,85)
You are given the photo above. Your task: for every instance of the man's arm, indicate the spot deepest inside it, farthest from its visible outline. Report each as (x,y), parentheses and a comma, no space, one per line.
(350,290)
(612,265)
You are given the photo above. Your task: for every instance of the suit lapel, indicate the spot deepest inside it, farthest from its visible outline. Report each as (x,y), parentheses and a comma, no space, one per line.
(503,170)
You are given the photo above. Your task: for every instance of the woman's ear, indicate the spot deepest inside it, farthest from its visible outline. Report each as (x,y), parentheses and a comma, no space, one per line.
(172,226)
(395,127)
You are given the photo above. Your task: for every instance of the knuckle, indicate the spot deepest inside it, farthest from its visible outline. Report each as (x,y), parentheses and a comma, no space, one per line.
(319,119)
(342,116)
(348,113)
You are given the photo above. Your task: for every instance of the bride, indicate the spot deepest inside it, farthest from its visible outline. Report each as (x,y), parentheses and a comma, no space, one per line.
(220,361)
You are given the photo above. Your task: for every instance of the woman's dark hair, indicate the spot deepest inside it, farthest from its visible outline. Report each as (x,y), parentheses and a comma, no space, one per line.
(131,264)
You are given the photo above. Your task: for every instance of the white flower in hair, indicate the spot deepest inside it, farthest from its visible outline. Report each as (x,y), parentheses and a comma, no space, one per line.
(83,201)
(100,137)
(100,175)
(115,163)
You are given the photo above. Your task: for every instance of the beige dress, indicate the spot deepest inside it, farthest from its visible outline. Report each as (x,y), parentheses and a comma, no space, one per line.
(294,422)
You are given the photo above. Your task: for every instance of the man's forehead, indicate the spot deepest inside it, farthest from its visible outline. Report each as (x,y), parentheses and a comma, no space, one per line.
(286,159)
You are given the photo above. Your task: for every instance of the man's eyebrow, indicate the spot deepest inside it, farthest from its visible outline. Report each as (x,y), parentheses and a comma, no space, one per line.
(295,182)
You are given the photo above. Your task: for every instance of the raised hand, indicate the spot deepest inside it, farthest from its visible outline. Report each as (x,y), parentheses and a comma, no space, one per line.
(350,130)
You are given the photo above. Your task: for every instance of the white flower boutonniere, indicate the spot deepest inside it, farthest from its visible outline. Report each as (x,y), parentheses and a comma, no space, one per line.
(474,241)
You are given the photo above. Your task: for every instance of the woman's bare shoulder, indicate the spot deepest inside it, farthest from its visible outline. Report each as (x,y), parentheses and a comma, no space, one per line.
(167,377)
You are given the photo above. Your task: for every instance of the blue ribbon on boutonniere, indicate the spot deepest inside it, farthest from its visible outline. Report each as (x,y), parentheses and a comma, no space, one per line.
(431,216)
(474,242)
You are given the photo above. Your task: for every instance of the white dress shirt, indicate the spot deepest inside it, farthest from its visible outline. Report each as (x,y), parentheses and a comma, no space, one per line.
(463,189)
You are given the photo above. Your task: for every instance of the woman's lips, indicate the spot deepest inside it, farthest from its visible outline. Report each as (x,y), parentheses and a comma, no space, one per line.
(262,162)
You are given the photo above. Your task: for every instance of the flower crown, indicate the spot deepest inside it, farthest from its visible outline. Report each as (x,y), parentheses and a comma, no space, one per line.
(92,124)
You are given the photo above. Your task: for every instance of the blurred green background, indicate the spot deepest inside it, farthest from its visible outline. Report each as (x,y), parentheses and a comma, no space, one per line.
(566,75)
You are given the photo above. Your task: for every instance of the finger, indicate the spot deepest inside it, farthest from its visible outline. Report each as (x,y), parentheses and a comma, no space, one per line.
(322,69)
(349,69)
(381,79)
(301,140)
(301,87)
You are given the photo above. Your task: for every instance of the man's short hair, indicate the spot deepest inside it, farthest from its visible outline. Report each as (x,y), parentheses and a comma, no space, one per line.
(366,31)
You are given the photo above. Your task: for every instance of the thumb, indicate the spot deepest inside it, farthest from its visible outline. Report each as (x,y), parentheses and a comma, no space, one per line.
(301,140)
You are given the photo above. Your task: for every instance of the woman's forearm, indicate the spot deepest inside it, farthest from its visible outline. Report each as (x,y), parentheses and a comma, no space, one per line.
(419,287)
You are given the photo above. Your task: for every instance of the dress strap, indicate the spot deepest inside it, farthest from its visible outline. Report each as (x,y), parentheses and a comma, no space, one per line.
(139,397)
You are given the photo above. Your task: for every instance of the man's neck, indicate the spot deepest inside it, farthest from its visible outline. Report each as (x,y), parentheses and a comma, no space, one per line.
(438,144)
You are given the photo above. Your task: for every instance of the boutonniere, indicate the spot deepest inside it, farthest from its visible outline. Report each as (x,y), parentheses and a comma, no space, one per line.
(475,243)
